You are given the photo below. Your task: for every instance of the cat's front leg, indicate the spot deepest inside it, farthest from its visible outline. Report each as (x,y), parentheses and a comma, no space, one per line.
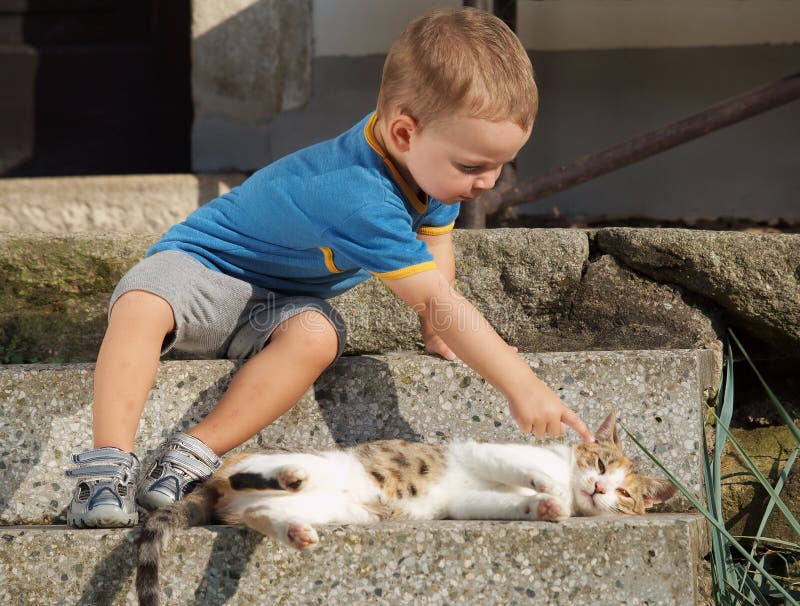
(294,533)
(548,508)
(495,505)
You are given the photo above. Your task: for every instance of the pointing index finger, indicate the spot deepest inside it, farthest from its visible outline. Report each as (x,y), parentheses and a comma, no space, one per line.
(571,418)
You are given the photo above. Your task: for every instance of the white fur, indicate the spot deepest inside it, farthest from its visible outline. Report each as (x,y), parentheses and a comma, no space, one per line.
(481,481)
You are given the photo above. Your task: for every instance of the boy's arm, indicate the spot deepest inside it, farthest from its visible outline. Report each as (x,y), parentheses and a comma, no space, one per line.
(533,405)
(441,247)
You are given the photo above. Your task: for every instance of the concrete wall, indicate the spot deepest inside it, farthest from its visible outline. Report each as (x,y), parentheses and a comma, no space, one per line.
(607,71)
(572,24)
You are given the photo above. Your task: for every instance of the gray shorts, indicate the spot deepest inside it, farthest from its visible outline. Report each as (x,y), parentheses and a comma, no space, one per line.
(217,315)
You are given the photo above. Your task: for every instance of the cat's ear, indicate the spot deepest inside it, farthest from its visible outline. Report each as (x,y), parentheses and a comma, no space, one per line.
(607,432)
(657,490)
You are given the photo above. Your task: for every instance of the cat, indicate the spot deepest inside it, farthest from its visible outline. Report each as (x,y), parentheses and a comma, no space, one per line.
(283,494)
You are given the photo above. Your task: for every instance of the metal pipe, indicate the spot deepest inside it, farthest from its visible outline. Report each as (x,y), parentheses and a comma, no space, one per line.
(648,144)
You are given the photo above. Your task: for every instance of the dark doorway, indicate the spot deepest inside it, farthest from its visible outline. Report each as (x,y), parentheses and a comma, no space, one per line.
(94,87)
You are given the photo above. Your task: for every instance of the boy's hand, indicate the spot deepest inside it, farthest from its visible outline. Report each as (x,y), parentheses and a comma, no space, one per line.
(543,413)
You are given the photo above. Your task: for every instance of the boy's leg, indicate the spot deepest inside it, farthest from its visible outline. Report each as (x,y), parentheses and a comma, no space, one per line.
(126,366)
(271,382)
(124,374)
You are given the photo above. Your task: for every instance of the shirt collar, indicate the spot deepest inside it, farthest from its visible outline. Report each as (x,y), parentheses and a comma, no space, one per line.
(369,135)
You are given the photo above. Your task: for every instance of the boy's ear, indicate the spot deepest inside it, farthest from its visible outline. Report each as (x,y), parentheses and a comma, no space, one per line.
(400,130)
(607,432)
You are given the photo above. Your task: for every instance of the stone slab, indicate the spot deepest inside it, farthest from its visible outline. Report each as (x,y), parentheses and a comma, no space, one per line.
(755,278)
(652,560)
(533,286)
(46,411)
(135,203)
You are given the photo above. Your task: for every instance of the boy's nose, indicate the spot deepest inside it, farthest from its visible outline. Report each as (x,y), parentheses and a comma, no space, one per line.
(487,180)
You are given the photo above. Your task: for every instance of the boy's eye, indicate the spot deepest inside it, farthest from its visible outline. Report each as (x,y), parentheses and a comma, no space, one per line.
(468,169)
(601,466)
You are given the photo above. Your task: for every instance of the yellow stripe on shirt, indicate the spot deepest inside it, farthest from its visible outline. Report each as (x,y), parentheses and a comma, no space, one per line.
(430,230)
(328,254)
(369,135)
(404,272)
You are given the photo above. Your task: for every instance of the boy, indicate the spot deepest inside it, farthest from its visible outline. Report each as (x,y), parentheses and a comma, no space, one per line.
(247,275)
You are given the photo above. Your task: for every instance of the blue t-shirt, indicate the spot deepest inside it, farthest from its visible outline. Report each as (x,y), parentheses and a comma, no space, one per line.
(317,222)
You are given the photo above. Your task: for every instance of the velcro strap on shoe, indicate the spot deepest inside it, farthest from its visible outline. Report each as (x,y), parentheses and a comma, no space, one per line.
(187,464)
(106,462)
(106,454)
(195,447)
(98,471)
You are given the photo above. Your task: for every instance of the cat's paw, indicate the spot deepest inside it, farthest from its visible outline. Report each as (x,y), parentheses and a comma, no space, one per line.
(551,509)
(292,478)
(302,536)
(545,485)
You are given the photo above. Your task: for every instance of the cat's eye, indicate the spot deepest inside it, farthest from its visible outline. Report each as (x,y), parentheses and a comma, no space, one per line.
(601,467)
(624,492)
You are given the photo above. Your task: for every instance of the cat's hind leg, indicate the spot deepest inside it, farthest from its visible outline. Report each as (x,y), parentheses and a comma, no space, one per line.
(294,533)
(290,472)
(289,519)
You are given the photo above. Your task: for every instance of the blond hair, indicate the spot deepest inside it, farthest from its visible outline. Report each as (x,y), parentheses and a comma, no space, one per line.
(459,61)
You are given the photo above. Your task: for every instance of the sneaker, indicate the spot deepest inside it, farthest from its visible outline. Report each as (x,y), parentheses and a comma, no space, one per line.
(186,463)
(104,498)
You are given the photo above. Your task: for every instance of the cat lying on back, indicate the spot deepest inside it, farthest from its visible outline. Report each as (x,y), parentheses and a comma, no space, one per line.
(285,494)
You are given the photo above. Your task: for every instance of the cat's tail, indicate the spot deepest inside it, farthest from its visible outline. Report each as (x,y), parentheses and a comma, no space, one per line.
(196,509)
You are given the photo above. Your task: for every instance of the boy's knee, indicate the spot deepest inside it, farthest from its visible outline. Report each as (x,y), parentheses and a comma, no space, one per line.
(312,333)
(143,304)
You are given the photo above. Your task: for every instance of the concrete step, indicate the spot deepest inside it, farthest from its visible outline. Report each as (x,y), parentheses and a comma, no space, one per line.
(655,559)
(47,411)
(144,203)
(537,287)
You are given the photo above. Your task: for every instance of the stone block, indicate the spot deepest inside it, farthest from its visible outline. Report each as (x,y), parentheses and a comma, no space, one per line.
(136,203)
(653,560)
(47,411)
(755,278)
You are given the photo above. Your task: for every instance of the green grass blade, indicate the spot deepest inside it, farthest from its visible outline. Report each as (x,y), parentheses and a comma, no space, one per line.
(754,592)
(718,550)
(771,541)
(758,539)
(775,402)
(717,544)
(714,522)
(764,482)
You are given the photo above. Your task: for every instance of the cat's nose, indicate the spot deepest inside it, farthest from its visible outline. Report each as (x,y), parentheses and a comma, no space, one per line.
(599,488)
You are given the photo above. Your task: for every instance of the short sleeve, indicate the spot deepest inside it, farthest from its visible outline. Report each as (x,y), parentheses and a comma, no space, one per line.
(380,239)
(439,219)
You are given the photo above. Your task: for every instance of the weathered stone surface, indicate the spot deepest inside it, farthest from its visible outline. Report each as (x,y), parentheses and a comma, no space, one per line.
(528,283)
(755,278)
(518,279)
(624,560)
(46,411)
(744,501)
(614,307)
(250,60)
(135,203)
(54,292)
